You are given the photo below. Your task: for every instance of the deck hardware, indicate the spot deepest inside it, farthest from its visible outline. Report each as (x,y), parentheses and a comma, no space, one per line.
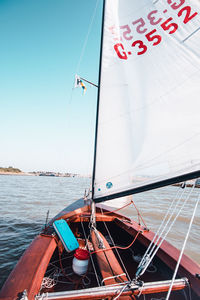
(24,295)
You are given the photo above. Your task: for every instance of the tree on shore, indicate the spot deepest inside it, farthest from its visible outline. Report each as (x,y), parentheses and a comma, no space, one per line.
(10,169)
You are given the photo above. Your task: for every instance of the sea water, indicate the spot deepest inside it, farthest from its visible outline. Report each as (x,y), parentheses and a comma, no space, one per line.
(25,201)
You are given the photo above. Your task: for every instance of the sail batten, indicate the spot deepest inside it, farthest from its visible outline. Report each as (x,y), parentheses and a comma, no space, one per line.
(148,117)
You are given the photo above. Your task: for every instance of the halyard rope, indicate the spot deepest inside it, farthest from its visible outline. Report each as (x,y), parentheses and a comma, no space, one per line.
(118,247)
(131,202)
(113,211)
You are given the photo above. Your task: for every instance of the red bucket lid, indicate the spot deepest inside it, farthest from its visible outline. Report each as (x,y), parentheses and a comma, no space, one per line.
(81,254)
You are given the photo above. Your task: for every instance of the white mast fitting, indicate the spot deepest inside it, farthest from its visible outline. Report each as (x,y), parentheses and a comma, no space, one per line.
(148,132)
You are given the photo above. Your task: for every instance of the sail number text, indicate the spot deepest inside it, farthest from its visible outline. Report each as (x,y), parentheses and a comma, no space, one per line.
(153,37)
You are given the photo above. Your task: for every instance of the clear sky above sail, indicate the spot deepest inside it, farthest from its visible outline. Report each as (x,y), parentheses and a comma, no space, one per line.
(149,124)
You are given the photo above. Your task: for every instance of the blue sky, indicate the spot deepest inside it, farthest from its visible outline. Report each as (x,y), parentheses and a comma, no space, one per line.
(44,125)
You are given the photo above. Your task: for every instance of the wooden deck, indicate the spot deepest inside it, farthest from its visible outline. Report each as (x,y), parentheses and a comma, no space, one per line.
(31,268)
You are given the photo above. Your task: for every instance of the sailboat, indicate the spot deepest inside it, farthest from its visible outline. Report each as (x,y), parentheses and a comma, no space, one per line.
(147,137)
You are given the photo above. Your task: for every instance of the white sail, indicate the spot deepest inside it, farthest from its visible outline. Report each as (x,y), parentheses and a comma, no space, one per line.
(149,104)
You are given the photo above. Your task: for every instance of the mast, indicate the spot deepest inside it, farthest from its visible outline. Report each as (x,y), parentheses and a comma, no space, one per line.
(98,97)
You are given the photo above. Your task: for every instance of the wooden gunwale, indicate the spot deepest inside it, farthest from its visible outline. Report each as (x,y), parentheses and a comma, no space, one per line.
(29,272)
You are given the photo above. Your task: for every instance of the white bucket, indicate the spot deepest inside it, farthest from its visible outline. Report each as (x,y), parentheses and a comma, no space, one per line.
(80,261)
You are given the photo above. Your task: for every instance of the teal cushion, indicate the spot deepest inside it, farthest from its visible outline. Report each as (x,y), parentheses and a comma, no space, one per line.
(66,235)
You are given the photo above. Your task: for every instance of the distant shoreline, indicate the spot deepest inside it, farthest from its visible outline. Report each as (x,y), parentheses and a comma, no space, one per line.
(16,173)
(54,174)
(46,174)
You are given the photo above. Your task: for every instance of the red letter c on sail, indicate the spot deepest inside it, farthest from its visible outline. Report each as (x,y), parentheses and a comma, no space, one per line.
(122,54)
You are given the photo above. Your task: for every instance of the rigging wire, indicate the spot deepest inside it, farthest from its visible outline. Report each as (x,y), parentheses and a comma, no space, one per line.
(87,36)
(183,247)
(149,257)
(84,45)
(159,232)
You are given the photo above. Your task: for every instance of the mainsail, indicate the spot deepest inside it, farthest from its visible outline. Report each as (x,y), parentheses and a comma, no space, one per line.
(148,131)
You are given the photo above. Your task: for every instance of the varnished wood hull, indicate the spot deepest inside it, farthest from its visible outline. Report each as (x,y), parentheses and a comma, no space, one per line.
(31,268)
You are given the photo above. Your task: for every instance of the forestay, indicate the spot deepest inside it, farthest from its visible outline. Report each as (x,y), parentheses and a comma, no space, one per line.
(149,99)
